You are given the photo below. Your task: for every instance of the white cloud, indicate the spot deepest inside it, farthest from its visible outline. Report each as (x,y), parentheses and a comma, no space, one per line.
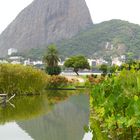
(9,10)
(101,10)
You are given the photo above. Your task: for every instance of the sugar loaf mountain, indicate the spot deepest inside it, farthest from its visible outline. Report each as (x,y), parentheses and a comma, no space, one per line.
(44,22)
(68,24)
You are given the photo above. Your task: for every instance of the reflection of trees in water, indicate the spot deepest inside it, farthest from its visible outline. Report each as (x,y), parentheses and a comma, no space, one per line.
(65,122)
(25,108)
(28,107)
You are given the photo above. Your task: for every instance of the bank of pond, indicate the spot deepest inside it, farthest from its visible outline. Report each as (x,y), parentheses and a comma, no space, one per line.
(26,80)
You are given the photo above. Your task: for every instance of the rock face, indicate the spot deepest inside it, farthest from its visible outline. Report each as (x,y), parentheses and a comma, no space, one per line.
(44,22)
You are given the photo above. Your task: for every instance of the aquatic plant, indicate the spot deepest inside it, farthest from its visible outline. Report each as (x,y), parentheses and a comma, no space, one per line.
(115,105)
(19,79)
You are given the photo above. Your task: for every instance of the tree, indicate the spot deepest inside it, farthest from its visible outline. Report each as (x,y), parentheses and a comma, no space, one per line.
(51,59)
(77,62)
(104,69)
(113,68)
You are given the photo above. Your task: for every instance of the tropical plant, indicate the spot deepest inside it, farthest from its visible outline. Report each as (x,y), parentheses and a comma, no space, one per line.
(53,70)
(115,105)
(51,59)
(77,62)
(131,64)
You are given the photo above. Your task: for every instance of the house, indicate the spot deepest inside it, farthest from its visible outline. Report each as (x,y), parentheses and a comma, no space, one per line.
(116,61)
(12,51)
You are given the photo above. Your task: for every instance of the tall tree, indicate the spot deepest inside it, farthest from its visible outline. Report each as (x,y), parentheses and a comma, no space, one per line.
(51,59)
(77,62)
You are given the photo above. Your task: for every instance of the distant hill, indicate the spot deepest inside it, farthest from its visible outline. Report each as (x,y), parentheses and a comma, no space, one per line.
(44,22)
(109,38)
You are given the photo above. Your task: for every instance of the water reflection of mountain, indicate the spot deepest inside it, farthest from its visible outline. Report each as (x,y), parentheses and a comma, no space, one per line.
(64,122)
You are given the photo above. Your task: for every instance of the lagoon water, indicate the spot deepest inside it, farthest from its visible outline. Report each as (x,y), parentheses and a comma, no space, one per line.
(57,117)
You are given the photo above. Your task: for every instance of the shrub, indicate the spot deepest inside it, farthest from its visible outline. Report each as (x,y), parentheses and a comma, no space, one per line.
(21,79)
(93,79)
(56,81)
(53,70)
(116,104)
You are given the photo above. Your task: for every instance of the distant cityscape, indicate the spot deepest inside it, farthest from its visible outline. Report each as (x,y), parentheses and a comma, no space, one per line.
(14,58)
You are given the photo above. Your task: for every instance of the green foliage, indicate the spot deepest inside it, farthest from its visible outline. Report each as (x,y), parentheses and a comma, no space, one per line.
(51,58)
(20,79)
(116,105)
(113,69)
(104,69)
(34,53)
(124,36)
(55,82)
(131,64)
(77,62)
(56,70)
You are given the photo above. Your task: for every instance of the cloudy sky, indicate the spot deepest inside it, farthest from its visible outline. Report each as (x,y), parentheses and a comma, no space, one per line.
(101,10)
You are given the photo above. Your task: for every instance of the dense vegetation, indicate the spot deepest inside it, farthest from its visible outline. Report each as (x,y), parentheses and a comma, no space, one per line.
(124,36)
(115,105)
(18,79)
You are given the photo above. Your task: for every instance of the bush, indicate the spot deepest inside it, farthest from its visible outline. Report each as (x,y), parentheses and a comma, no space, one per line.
(21,79)
(53,70)
(56,81)
(93,79)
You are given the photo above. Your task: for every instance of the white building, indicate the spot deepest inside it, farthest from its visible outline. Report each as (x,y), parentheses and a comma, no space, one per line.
(11,51)
(101,61)
(15,62)
(38,62)
(92,62)
(29,62)
(116,61)
(15,58)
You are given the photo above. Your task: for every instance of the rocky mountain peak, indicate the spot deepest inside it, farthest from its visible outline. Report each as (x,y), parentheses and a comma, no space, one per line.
(44,22)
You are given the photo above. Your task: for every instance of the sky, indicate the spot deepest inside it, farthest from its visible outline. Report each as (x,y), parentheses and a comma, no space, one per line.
(100,10)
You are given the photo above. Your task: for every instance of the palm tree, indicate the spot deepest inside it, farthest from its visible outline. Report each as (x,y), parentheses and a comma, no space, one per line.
(51,58)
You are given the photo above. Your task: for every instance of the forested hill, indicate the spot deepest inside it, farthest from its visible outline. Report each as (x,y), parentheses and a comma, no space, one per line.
(109,38)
